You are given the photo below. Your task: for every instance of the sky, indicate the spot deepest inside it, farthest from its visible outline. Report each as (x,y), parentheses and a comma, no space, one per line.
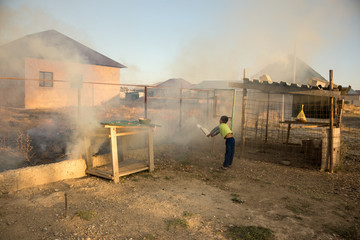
(200,39)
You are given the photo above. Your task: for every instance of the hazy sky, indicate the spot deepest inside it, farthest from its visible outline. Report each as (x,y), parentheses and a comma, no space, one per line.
(200,39)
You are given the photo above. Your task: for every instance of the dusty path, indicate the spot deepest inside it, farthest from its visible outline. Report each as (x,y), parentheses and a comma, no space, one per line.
(187,198)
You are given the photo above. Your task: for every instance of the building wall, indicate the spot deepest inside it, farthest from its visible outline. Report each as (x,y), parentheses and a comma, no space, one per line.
(12,91)
(64,93)
(353,99)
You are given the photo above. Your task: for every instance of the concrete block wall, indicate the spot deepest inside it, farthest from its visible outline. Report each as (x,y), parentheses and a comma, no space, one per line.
(22,178)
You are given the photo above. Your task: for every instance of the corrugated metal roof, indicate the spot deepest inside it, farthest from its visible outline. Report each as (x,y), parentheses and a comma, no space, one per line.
(290,86)
(56,46)
(284,87)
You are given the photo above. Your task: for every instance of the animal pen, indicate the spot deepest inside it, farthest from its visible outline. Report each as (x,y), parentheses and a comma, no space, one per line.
(269,123)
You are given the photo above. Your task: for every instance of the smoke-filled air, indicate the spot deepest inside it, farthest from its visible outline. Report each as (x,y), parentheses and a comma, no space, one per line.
(181,119)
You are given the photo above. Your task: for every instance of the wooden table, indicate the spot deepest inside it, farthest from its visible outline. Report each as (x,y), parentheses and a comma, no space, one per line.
(126,166)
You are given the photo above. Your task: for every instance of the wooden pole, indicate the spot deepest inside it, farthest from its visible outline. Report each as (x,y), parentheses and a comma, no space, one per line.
(267,118)
(233,111)
(66,205)
(145,99)
(243,118)
(256,125)
(331,142)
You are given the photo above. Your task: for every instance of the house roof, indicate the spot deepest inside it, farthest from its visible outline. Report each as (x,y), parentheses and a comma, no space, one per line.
(283,71)
(175,83)
(54,45)
(212,85)
(354,92)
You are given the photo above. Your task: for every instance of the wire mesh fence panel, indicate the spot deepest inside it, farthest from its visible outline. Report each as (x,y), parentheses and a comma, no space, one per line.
(71,110)
(268,116)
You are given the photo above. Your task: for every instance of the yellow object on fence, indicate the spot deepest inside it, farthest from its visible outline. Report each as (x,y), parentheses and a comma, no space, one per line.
(301,116)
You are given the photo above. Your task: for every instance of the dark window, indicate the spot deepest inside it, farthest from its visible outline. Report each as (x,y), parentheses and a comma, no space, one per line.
(48,76)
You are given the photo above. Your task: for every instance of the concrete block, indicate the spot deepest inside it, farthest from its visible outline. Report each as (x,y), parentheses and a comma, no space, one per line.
(22,178)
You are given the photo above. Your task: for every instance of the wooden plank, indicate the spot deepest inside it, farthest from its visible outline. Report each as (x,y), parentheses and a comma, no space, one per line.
(115,161)
(88,153)
(306,123)
(100,173)
(125,168)
(133,168)
(236,85)
(324,93)
(151,150)
(129,133)
(128,127)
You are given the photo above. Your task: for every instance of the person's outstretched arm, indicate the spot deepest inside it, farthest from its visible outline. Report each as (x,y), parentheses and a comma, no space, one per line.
(214,132)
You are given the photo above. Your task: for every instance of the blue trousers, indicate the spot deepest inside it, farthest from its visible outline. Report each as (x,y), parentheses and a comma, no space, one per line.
(230,150)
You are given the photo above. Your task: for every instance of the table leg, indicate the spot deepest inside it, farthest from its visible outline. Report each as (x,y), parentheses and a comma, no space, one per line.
(114,151)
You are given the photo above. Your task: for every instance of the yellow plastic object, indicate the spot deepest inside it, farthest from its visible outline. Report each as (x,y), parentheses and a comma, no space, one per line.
(301,116)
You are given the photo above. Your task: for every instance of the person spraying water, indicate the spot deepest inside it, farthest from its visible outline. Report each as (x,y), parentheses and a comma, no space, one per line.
(227,134)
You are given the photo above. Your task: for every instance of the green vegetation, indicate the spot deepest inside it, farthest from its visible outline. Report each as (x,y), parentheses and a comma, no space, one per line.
(301,208)
(187,214)
(87,215)
(175,222)
(250,233)
(147,236)
(349,233)
(235,198)
(147,176)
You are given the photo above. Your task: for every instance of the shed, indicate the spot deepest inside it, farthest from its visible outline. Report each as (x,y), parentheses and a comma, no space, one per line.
(353,97)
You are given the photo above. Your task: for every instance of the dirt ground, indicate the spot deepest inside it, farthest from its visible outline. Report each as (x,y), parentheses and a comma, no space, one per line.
(188,197)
